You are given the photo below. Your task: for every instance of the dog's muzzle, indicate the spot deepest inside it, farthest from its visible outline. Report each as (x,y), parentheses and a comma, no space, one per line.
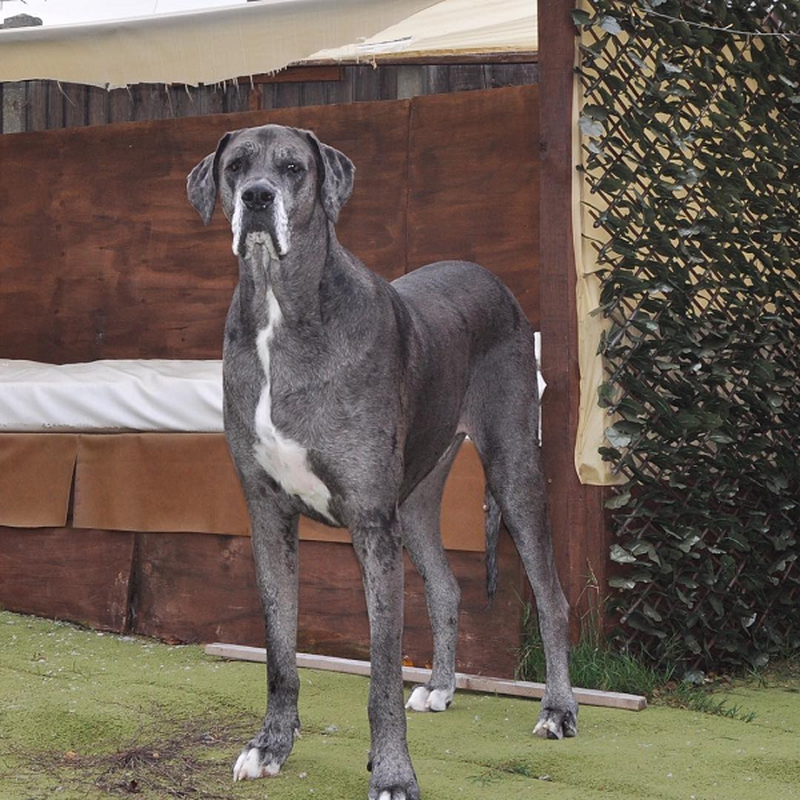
(260,218)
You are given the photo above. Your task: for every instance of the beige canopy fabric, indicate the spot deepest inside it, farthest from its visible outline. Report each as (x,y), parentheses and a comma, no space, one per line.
(214,45)
(199,47)
(453,27)
(592,419)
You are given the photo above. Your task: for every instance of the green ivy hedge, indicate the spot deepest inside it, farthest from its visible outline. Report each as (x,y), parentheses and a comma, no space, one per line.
(691,122)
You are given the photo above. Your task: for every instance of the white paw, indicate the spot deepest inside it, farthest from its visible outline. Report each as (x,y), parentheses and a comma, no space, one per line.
(248,766)
(543,726)
(422,699)
(388,796)
(439,700)
(418,701)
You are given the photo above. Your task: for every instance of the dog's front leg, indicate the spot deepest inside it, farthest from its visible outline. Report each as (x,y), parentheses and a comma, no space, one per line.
(378,545)
(275,544)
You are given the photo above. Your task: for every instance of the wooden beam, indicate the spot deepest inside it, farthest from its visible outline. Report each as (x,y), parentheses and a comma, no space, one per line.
(470,683)
(399,60)
(302,74)
(576,511)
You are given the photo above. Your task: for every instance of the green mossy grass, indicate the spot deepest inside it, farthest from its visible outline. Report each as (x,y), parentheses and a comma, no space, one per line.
(85,715)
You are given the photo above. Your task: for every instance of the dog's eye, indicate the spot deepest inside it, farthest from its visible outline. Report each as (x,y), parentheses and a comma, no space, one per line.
(295,169)
(235,165)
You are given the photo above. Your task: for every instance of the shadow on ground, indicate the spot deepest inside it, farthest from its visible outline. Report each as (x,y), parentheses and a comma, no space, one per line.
(90,715)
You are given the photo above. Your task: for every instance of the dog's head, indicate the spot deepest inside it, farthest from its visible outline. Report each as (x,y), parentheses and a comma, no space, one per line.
(270,181)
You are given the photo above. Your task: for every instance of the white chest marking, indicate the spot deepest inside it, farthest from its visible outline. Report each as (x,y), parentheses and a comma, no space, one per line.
(283,458)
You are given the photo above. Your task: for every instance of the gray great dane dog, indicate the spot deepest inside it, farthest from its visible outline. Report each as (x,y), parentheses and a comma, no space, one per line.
(346,398)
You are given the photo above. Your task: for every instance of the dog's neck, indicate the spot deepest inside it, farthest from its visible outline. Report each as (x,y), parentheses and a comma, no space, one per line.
(294,279)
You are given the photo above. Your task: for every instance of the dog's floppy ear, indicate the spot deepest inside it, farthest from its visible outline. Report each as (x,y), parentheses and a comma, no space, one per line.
(201,185)
(335,179)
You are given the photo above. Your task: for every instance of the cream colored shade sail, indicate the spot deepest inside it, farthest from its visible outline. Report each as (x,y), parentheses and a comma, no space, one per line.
(199,47)
(219,44)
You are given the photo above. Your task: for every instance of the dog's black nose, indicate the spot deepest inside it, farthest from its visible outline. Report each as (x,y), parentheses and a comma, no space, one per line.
(257,197)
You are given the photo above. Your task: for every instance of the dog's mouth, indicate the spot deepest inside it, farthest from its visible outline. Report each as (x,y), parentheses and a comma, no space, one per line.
(266,229)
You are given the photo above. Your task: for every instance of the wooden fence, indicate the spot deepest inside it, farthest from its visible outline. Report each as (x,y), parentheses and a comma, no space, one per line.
(45,105)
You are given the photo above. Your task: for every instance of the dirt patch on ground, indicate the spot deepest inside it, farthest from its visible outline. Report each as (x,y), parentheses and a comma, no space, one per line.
(181,765)
(184,761)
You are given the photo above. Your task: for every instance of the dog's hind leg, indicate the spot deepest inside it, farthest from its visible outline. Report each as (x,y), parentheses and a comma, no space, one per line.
(420,520)
(502,419)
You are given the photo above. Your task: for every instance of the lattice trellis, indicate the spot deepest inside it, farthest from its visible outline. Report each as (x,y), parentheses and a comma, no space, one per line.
(691,146)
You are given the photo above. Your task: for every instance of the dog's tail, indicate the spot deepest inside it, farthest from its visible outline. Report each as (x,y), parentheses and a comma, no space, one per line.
(492,535)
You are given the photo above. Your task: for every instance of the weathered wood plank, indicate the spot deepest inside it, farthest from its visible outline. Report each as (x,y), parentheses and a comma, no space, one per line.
(267,94)
(576,511)
(13,107)
(202,588)
(82,576)
(288,95)
(387,83)
(120,105)
(300,74)
(474,185)
(521,57)
(437,79)
(467,77)
(339,91)
(313,94)
(410,81)
(84,286)
(36,106)
(97,100)
(149,102)
(55,106)
(75,105)
(209,100)
(470,683)
(191,588)
(512,74)
(366,83)
(236,97)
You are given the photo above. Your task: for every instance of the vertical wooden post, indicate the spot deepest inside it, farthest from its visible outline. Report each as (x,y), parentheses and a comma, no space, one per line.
(576,511)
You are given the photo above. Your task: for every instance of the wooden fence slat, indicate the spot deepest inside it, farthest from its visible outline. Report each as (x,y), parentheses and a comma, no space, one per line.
(55,106)
(465,77)
(313,93)
(36,106)
(288,95)
(236,97)
(387,82)
(366,83)
(437,79)
(13,108)
(75,105)
(120,105)
(97,105)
